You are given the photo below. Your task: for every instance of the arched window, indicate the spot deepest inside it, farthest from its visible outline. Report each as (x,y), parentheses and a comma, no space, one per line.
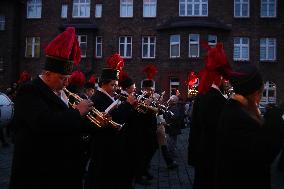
(269,93)
(174,84)
(154,83)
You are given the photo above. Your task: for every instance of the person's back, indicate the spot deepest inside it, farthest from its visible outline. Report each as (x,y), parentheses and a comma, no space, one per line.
(247,145)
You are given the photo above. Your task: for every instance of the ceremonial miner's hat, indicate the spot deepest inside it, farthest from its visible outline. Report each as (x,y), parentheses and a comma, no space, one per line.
(216,65)
(150,71)
(91,83)
(124,80)
(116,64)
(63,52)
(249,82)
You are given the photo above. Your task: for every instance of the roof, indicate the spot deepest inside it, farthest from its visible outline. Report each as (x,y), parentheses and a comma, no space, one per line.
(189,22)
(79,26)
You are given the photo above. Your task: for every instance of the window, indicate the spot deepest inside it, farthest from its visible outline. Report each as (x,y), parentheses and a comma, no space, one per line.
(268,8)
(269,93)
(148,47)
(149,8)
(2,23)
(34,8)
(212,40)
(82,39)
(64,9)
(175,46)
(193,7)
(174,84)
(267,49)
(99,47)
(126,8)
(241,8)
(81,8)
(1,64)
(32,47)
(125,46)
(241,48)
(193,45)
(154,83)
(98,13)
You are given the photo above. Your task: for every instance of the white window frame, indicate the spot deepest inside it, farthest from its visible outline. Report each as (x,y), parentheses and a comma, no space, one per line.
(193,43)
(174,83)
(149,44)
(99,45)
(81,6)
(174,43)
(267,46)
(241,46)
(211,44)
(2,22)
(127,3)
(34,4)
(98,11)
(33,46)
(1,63)
(154,83)
(267,4)
(148,4)
(64,10)
(79,37)
(242,3)
(266,99)
(125,44)
(192,3)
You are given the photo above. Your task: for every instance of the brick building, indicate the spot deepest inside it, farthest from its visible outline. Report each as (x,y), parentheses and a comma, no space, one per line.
(167,33)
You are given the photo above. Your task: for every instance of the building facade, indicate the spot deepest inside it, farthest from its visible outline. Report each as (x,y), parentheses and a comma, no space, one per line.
(166,33)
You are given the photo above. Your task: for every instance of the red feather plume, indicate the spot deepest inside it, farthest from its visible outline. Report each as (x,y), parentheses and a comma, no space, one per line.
(92,79)
(150,70)
(192,79)
(116,62)
(65,46)
(77,78)
(122,75)
(24,77)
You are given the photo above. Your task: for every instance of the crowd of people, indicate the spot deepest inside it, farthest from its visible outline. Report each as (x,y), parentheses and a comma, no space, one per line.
(102,134)
(70,133)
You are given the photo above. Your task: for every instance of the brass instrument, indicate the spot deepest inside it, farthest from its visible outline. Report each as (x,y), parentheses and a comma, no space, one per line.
(95,116)
(141,106)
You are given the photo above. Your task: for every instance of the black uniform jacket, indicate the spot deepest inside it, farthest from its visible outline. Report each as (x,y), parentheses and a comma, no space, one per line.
(202,138)
(47,152)
(105,148)
(245,149)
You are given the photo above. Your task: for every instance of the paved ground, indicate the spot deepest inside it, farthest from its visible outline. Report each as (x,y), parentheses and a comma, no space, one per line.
(180,178)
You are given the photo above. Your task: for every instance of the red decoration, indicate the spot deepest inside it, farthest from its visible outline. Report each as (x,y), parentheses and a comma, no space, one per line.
(77,78)
(92,79)
(24,77)
(216,65)
(65,46)
(116,62)
(122,76)
(191,79)
(150,70)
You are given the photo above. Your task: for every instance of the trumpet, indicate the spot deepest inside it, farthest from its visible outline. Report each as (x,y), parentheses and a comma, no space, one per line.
(141,107)
(95,116)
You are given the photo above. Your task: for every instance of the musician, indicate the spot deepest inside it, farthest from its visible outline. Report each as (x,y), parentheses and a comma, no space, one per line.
(129,136)
(47,152)
(205,117)
(148,137)
(89,90)
(104,168)
(247,142)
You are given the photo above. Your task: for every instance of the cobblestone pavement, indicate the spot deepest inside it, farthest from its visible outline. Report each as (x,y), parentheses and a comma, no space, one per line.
(181,178)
